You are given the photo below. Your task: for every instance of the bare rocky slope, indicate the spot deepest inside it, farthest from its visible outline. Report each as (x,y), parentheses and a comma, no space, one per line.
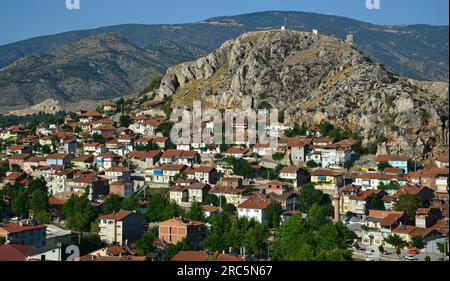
(96,68)
(314,78)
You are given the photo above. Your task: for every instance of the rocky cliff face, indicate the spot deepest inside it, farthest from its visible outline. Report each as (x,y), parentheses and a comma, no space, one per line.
(314,78)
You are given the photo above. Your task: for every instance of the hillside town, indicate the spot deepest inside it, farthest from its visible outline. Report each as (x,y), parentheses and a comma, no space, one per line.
(111,184)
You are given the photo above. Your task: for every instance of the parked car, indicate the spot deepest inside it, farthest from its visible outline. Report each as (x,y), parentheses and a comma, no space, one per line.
(410,258)
(413,252)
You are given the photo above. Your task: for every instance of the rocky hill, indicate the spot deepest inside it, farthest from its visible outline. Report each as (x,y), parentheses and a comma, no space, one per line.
(99,67)
(314,78)
(415,51)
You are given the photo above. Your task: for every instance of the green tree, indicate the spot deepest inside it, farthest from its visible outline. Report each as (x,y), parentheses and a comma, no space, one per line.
(144,244)
(383,165)
(255,240)
(155,207)
(38,201)
(418,242)
(98,138)
(273,215)
(130,203)
(79,213)
(374,202)
(311,164)
(124,121)
(309,195)
(112,204)
(155,82)
(409,203)
(43,216)
(396,241)
(228,208)
(195,212)
(277,156)
(317,216)
(19,203)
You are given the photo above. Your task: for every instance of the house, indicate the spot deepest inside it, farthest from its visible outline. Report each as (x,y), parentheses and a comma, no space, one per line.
(210,211)
(236,152)
(175,230)
(59,159)
(253,208)
(13,178)
(264,150)
(83,162)
(231,182)
(110,107)
(396,161)
(297,147)
(14,252)
(202,256)
(121,227)
(277,187)
(18,149)
(345,193)
(161,142)
(165,173)
(178,194)
(372,180)
(442,161)
(424,193)
(327,180)
(358,202)
(33,163)
(107,160)
(118,174)
(146,126)
(24,233)
(174,156)
(203,174)
(68,146)
(90,117)
(121,188)
(287,200)
(18,160)
(144,159)
(56,182)
(98,186)
(234,196)
(197,192)
(379,225)
(295,175)
(94,148)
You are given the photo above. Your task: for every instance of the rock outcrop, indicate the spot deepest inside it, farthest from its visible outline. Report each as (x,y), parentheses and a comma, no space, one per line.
(314,78)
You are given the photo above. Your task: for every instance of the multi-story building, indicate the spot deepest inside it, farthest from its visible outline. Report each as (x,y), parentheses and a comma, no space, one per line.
(175,230)
(24,233)
(121,227)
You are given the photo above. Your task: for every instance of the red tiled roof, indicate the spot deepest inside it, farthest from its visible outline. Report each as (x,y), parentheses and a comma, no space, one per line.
(290,170)
(325,172)
(12,252)
(204,256)
(15,228)
(443,158)
(181,221)
(116,216)
(387,158)
(254,203)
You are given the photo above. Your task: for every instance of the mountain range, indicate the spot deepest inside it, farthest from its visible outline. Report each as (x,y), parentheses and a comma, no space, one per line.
(67,67)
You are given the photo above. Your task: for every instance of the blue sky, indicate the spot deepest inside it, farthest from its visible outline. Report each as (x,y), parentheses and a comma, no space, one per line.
(22,19)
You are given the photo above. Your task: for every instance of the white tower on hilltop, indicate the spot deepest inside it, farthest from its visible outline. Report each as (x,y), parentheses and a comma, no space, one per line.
(283,27)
